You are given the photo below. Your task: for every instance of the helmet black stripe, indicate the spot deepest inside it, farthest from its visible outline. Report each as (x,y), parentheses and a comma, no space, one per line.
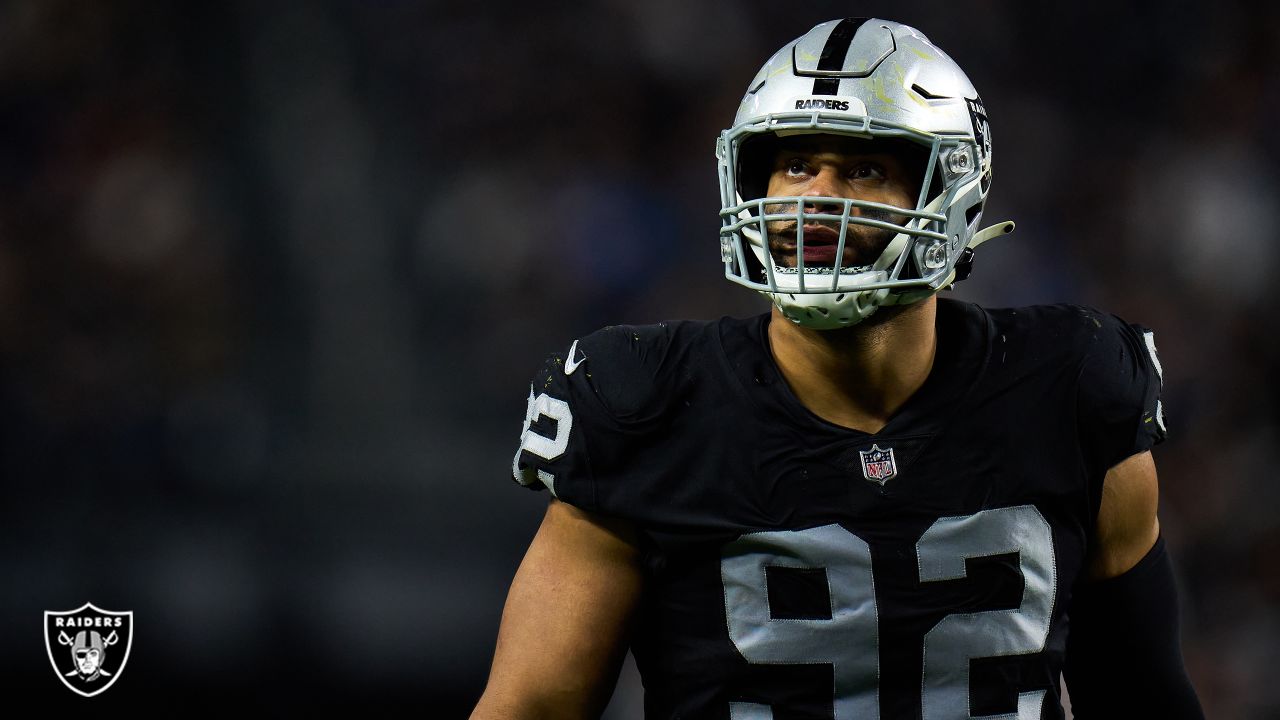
(833,53)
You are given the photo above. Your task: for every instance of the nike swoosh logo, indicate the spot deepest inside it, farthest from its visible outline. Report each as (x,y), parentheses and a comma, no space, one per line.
(570,363)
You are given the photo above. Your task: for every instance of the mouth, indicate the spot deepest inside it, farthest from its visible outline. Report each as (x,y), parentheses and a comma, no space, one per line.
(862,245)
(820,245)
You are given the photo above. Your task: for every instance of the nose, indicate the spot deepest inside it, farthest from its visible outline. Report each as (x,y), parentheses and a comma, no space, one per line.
(826,183)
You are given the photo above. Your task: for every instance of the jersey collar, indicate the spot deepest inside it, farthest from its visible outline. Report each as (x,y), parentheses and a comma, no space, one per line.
(964,342)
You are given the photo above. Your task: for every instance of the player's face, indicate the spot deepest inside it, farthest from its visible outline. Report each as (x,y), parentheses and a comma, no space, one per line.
(87,660)
(837,167)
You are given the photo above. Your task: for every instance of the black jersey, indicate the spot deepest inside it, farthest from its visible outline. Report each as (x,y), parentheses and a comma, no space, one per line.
(798,569)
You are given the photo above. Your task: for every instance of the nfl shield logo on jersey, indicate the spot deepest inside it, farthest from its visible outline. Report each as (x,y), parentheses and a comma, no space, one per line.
(88,646)
(878,465)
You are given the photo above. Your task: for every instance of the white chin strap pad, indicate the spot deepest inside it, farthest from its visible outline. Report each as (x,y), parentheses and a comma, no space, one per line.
(985,234)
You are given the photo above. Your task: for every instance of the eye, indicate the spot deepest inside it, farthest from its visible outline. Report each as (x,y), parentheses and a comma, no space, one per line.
(867,171)
(796,166)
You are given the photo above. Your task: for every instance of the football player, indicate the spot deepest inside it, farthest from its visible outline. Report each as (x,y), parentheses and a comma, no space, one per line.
(869,502)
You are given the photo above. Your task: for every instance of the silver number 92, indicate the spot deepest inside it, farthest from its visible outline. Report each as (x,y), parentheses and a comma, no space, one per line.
(849,639)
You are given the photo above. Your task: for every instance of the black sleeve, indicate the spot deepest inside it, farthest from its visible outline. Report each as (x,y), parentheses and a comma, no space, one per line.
(1124,655)
(580,406)
(1118,393)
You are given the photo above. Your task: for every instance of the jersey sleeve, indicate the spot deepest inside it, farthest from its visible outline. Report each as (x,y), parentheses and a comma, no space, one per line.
(1119,406)
(582,406)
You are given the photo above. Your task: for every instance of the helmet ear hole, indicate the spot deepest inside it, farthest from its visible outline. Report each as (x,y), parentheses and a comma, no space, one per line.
(971,215)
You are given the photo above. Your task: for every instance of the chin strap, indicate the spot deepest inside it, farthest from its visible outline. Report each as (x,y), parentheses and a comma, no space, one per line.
(985,234)
(964,265)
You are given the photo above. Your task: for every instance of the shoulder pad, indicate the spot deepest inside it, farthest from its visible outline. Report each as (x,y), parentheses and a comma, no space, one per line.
(622,365)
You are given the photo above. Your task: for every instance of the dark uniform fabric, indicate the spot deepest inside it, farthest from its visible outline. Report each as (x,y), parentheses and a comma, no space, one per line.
(798,569)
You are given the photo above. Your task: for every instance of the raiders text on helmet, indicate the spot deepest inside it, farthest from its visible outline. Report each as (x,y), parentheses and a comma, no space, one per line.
(872,79)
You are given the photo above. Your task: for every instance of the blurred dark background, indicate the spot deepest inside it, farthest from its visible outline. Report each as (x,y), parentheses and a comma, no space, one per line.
(274,277)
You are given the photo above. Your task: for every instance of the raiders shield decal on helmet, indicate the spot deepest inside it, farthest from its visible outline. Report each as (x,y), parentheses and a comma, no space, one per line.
(88,647)
(878,465)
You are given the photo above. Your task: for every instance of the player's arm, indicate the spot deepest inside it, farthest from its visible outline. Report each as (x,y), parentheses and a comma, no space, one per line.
(1124,656)
(1128,526)
(564,628)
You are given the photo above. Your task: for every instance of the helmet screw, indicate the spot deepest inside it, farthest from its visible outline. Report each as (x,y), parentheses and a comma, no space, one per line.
(935,256)
(959,161)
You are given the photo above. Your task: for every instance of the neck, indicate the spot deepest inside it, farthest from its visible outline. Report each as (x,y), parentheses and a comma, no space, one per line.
(859,376)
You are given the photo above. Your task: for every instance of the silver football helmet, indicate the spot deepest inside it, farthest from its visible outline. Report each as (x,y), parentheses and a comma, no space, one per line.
(872,79)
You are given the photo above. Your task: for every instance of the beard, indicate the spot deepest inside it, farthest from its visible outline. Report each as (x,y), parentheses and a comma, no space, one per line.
(863,244)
